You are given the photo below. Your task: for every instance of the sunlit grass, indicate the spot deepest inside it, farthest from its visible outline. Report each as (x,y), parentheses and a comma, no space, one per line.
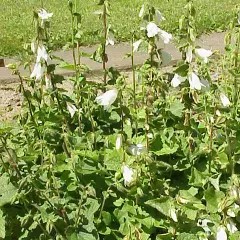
(16,21)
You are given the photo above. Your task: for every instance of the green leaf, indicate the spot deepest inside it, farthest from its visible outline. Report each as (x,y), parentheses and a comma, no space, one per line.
(163,205)
(113,160)
(7,190)
(2,225)
(119,202)
(67,66)
(92,208)
(166,150)
(213,198)
(197,178)
(182,70)
(187,236)
(176,108)
(107,217)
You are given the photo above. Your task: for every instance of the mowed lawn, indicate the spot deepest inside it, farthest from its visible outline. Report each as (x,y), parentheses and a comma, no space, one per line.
(16,19)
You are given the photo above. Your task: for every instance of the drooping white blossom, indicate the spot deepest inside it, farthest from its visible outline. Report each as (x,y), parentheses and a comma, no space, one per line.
(231,213)
(118,142)
(107,99)
(204,224)
(71,108)
(177,80)
(138,149)
(231,226)
(42,54)
(44,15)
(189,54)
(37,72)
(141,11)
(152,29)
(127,175)
(136,45)
(48,82)
(218,113)
(165,36)
(159,17)
(224,99)
(173,214)
(203,54)
(33,47)
(110,39)
(221,233)
(194,81)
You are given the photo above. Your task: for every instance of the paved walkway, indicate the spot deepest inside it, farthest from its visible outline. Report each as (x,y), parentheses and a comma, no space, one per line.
(214,41)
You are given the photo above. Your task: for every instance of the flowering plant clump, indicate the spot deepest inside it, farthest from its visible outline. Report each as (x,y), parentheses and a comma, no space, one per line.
(153,157)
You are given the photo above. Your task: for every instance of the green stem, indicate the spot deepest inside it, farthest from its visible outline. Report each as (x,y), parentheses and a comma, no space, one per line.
(134,89)
(104,44)
(29,106)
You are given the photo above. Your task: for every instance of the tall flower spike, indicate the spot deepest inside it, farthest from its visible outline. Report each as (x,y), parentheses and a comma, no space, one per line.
(107,99)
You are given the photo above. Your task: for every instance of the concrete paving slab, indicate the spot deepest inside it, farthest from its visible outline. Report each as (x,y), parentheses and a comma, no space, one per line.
(214,41)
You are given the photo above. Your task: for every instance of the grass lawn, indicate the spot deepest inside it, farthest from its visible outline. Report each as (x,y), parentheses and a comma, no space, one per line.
(16,21)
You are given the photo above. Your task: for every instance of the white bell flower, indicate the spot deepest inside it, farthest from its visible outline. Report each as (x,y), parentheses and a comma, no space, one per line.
(71,108)
(189,54)
(110,39)
(204,225)
(44,15)
(159,17)
(165,36)
(152,30)
(136,45)
(127,175)
(33,47)
(107,99)
(221,233)
(42,54)
(231,226)
(231,213)
(118,142)
(194,81)
(141,11)
(177,80)
(173,214)
(225,100)
(218,113)
(37,72)
(48,82)
(137,150)
(203,54)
